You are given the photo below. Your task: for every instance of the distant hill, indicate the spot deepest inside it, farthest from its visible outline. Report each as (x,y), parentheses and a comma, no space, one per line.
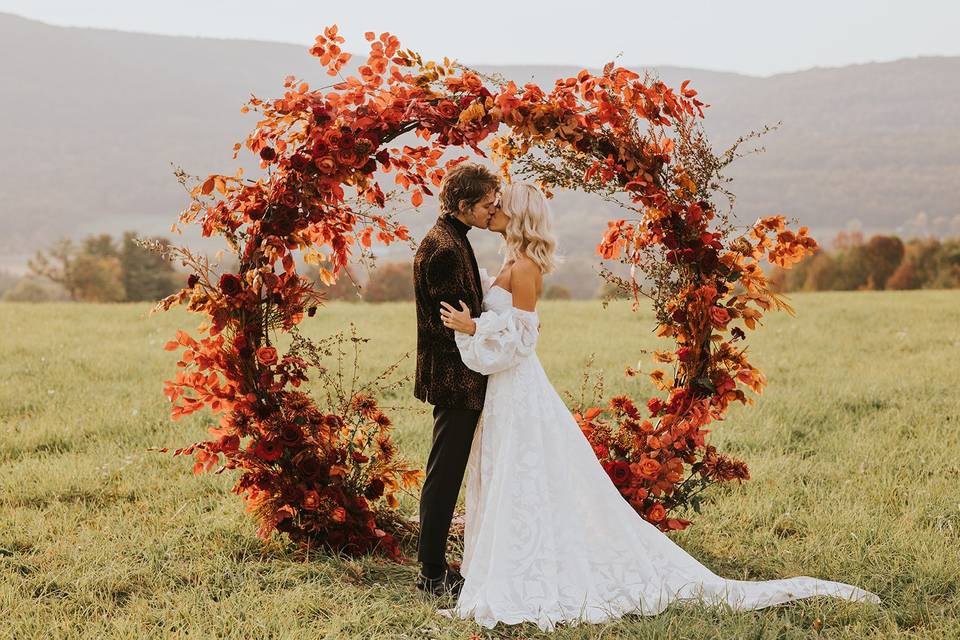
(94,119)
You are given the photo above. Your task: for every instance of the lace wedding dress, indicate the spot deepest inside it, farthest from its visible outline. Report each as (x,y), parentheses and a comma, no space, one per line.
(548,538)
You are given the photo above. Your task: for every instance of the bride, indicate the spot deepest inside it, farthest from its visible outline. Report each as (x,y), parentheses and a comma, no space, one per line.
(548,538)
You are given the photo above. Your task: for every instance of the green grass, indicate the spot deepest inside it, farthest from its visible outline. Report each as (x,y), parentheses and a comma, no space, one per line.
(854,451)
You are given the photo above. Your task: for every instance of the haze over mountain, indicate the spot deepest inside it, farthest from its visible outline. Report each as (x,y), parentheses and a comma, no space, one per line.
(93,120)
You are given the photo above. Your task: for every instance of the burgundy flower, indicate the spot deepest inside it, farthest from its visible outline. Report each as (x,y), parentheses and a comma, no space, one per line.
(321,115)
(231,285)
(309,466)
(374,490)
(290,434)
(619,472)
(192,280)
(298,162)
(268,154)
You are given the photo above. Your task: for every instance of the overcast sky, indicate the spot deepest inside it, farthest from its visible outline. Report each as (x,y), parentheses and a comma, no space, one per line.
(748,36)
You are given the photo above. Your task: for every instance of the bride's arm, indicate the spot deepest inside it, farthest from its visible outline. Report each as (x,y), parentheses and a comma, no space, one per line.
(500,340)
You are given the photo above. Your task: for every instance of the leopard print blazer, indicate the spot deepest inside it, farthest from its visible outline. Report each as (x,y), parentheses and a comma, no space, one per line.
(443,270)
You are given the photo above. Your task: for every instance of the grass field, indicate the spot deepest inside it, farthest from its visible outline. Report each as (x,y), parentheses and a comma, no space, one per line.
(854,450)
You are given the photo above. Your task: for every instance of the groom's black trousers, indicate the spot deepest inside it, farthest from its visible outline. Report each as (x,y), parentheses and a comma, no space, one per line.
(453,430)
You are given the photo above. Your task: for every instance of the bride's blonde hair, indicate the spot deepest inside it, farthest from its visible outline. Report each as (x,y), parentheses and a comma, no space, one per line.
(529,228)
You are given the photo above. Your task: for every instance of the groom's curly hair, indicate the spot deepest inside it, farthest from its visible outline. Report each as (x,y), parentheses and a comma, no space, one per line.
(466,182)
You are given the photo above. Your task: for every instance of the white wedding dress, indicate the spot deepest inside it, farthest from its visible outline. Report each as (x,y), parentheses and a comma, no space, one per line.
(548,538)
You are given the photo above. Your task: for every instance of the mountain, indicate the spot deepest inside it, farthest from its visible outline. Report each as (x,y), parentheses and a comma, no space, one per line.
(96,119)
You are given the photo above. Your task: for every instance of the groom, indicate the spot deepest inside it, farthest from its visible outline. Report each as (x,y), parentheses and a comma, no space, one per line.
(445,270)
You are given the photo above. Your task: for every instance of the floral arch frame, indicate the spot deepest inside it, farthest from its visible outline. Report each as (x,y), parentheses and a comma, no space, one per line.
(329,477)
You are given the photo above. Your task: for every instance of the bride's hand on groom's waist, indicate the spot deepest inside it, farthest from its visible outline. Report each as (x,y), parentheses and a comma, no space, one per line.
(458,319)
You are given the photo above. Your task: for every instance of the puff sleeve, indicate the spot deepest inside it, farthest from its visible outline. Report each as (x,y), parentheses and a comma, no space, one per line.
(502,339)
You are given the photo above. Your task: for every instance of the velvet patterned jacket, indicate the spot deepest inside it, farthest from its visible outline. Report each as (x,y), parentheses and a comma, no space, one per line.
(445,269)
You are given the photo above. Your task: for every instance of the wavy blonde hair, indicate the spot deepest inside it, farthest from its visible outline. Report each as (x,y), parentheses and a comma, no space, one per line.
(530,227)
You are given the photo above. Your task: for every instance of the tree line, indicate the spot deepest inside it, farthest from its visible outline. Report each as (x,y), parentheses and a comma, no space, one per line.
(882,262)
(103,269)
(97,269)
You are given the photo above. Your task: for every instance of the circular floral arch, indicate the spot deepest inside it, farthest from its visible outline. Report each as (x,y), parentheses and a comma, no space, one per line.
(328,474)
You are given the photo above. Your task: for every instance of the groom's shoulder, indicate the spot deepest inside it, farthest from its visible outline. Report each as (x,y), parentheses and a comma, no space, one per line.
(435,239)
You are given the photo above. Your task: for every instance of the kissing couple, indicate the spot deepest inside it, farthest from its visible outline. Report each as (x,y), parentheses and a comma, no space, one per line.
(548,538)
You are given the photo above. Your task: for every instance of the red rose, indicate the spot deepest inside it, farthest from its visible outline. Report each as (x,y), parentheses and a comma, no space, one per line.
(267,356)
(619,472)
(719,317)
(655,405)
(308,465)
(231,285)
(268,154)
(656,513)
(683,354)
(290,434)
(268,450)
(339,515)
(311,500)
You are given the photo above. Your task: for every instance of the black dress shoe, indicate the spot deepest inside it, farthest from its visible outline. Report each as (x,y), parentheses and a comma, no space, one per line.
(433,586)
(448,584)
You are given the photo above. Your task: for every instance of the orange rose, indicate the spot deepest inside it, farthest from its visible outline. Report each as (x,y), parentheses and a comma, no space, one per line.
(349,157)
(656,513)
(339,515)
(326,165)
(447,109)
(719,317)
(267,356)
(649,467)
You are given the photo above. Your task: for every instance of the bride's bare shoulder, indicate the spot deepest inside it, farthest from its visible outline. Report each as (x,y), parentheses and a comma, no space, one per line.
(525,283)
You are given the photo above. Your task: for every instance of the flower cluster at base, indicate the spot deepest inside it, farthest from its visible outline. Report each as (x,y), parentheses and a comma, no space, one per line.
(324,479)
(648,463)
